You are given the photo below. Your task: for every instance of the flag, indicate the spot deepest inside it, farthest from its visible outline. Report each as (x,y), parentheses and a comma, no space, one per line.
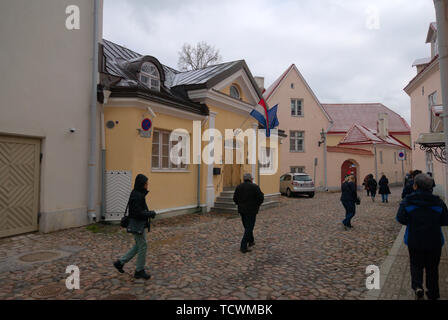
(260,113)
(272,115)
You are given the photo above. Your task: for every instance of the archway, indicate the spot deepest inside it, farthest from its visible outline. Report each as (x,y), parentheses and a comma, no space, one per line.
(349,167)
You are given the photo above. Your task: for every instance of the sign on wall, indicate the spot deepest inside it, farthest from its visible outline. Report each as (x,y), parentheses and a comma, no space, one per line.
(145,128)
(401,155)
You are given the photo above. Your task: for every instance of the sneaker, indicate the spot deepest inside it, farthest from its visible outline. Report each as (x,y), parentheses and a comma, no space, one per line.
(419,294)
(245,250)
(119,266)
(141,275)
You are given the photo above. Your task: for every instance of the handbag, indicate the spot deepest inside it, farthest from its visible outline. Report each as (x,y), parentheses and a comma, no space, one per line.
(124,223)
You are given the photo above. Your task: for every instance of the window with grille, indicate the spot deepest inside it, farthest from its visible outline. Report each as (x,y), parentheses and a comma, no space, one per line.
(299,169)
(149,75)
(297,107)
(161,146)
(296,141)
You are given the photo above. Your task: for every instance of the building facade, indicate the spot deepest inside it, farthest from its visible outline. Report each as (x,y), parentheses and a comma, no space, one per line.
(329,141)
(45,92)
(425,94)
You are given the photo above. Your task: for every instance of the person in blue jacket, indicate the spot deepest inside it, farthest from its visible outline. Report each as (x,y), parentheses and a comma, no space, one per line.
(424,214)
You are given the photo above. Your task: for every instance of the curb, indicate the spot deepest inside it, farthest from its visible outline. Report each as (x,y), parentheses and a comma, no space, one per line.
(385,267)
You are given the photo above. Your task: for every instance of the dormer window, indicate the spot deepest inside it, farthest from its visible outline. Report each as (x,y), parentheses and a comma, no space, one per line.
(234,92)
(149,75)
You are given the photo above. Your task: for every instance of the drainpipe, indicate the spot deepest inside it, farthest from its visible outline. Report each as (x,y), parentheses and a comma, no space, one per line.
(92,171)
(376,162)
(198,191)
(103,167)
(441,7)
(325,157)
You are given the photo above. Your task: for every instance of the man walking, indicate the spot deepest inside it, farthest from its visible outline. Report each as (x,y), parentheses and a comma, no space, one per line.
(248,198)
(424,213)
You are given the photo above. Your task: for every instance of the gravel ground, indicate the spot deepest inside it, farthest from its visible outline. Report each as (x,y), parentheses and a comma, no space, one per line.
(302,252)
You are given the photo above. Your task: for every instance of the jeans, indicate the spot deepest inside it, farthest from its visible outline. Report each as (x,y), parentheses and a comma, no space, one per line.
(140,249)
(350,209)
(384,197)
(428,260)
(249,224)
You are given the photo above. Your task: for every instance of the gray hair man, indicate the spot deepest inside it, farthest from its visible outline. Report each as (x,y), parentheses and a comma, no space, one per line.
(248,198)
(424,214)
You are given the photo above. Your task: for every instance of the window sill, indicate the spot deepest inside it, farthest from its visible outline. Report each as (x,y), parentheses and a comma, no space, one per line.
(170,171)
(292,151)
(295,116)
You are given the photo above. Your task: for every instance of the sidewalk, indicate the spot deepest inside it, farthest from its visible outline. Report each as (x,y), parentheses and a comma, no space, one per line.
(395,274)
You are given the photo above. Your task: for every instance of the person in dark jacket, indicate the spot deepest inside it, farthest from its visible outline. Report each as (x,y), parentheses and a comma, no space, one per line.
(409,185)
(364,183)
(384,190)
(139,219)
(372,184)
(248,198)
(423,214)
(349,198)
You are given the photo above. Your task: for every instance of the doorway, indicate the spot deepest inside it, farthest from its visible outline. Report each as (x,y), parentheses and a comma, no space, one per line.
(349,167)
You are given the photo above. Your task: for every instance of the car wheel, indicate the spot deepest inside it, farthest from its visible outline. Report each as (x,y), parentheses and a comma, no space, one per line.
(288,193)
(311,194)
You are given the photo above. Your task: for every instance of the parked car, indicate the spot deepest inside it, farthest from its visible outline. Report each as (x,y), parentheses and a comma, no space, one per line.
(297,183)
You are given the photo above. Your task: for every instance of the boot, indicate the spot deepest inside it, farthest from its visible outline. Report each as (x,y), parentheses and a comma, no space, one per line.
(119,266)
(141,275)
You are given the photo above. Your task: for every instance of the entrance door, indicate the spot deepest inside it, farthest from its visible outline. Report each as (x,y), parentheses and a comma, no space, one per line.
(349,168)
(232,172)
(19,185)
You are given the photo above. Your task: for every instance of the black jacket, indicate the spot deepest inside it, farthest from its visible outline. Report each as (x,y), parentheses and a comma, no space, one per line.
(408,188)
(384,185)
(371,183)
(138,210)
(248,197)
(423,213)
(349,192)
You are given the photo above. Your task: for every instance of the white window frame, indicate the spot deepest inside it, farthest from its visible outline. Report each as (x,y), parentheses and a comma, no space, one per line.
(171,166)
(296,109)
(293,169)
(151,77)
(293,136)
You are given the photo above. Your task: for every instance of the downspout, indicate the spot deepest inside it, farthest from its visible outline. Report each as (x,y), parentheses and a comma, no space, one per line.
(103,166)
(376,162)
(198,191)
(325,157)
(441,7)
(92,171)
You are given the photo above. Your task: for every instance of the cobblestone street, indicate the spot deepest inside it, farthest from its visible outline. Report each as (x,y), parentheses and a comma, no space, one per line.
(301,252)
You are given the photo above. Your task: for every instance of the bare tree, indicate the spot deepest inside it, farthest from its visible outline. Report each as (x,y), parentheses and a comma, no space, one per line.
(201,56)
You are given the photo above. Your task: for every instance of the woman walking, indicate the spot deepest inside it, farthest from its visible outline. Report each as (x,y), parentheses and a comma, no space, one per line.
(366,187)
(384,188)
(349,198)
(372,184)
(139,219)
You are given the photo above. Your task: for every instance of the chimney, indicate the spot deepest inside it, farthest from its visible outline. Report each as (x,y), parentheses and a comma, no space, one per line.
(260,83)
(382,125)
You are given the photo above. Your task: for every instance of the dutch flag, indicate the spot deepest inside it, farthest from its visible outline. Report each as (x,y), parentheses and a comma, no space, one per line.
(260,113)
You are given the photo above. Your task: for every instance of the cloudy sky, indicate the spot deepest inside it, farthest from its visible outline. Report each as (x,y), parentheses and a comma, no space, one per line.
(347,50)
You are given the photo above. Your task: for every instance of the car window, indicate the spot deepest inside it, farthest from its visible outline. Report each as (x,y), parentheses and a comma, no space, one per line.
(302,178)
(288,178)
(282,178)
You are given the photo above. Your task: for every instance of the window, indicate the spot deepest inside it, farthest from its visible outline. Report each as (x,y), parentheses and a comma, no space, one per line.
(161,147)
(287,177)
(297,107)
(296,141)
(381,157)
(234,92)
(432,101)
(297,169)
(149,75)
(395,158)
(302,178)
(292,85)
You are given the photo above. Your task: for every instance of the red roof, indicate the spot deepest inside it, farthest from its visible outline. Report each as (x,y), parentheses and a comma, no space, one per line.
(364,114)
(361,152)
(359,135)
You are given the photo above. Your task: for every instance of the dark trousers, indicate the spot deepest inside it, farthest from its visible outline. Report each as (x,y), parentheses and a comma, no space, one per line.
(427,260)
(350,209)
(249,224)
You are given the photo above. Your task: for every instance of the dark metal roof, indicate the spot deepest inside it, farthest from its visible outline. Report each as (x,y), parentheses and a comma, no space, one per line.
(176,83)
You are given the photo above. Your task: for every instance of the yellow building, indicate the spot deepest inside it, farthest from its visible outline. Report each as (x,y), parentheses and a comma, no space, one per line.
(145,92)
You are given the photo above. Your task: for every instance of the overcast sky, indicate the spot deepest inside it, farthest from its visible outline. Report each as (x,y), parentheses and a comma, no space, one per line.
(340,48)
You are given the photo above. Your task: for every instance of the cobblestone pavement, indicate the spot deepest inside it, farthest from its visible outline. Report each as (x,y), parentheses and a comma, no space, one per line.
(397,277)
(301,252)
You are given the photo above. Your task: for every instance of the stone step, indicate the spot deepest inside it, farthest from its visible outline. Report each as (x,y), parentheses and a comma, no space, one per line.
(228,207)
(229,189)
(224,199)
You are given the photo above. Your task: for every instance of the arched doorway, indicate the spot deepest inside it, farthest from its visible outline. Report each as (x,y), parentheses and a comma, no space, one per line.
(349,167)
